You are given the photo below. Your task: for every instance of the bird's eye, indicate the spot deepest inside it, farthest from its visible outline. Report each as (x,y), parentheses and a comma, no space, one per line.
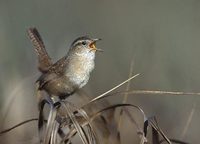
(83,43)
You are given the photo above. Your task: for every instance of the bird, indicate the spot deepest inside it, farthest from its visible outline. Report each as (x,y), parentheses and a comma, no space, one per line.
(70,73)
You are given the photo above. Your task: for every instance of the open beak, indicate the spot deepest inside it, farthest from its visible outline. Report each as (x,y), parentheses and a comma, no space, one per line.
(93,45)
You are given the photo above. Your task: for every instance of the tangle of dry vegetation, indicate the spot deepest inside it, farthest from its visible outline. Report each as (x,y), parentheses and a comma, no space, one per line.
(66,122)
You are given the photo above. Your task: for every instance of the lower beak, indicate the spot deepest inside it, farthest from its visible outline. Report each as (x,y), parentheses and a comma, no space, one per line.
(93,45)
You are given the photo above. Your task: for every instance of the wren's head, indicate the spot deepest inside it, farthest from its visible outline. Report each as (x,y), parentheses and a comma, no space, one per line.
(84,46)
(81,60)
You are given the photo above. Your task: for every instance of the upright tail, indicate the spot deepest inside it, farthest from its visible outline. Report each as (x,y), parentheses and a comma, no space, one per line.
(39,47)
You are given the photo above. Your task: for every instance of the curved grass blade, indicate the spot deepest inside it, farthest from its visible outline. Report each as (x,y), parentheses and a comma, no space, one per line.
(18,125)
(75,123)
(50,124)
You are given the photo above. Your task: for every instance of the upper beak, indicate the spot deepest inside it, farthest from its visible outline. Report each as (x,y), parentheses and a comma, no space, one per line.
(98,39)
(93,45)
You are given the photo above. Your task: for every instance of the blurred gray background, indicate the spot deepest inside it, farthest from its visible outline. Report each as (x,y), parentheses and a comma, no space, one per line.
(161,37)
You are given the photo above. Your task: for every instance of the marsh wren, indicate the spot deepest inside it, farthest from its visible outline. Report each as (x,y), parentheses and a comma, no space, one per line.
(69,73)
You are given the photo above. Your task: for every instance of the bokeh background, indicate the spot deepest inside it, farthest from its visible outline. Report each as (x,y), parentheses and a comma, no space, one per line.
(162,38)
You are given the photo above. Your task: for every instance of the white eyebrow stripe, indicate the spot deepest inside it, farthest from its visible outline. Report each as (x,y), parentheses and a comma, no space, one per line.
(80,41)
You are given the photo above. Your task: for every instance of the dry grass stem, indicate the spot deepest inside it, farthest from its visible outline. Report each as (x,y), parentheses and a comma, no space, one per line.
(124,101)
(153,122)
(189,120)
(107,92)
(157,92)
(151,92)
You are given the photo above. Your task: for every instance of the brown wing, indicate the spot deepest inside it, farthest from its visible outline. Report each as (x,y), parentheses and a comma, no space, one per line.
(60,66)
(43,57)
(55,72)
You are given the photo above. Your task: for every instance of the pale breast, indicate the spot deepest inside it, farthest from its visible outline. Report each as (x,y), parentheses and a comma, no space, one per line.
(79,70)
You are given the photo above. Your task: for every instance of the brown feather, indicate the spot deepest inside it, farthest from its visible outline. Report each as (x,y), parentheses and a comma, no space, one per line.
(39,47)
